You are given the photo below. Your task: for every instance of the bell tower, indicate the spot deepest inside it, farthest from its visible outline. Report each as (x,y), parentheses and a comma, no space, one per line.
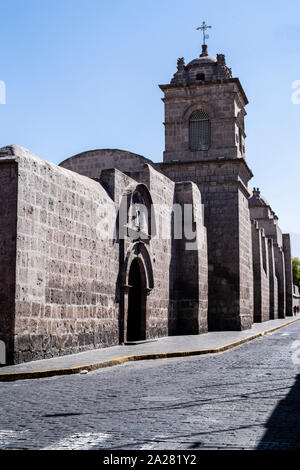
(205,143)
(204,111)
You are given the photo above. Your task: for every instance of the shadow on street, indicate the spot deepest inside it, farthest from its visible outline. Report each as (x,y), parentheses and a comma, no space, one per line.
(283,426)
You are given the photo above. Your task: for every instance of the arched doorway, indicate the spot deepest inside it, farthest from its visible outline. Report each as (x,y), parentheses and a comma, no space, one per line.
(136,318)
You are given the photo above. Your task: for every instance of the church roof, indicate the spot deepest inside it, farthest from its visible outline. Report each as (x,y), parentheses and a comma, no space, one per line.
(205,68)
(257,199)
(202,60)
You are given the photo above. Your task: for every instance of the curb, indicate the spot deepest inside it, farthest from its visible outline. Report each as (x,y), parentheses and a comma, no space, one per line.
(13,376)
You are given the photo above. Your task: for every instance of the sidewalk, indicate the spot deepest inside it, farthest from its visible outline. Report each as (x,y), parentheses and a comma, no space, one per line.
(162,348)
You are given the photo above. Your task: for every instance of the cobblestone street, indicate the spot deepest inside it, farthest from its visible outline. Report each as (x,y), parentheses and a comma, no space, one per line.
(246,398)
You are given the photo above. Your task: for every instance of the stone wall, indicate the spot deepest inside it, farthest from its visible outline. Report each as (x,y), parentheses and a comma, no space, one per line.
(273,281)
(162,309)
(162,193)
(230,276)
(190,289)
(280,274)
(280,255)
(286,243)
(65,275)
(8,238)
(159,247)
(70,266)
(261,275)
(245,259)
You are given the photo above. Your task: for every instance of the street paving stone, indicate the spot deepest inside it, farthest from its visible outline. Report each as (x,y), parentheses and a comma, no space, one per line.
(162,345)
(245,398)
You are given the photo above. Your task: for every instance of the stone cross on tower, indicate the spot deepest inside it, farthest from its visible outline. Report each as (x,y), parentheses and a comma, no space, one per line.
(203,28)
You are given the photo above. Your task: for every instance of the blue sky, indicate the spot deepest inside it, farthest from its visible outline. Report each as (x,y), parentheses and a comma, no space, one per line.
(84,74)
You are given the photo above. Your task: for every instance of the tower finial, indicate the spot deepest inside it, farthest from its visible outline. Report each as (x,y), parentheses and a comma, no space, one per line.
(203,28)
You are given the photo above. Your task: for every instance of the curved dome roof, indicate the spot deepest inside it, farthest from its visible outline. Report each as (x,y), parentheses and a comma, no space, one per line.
(202,60)
(257,199)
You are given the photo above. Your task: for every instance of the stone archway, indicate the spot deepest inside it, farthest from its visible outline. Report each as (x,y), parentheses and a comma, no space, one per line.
(136,313)
(137,283)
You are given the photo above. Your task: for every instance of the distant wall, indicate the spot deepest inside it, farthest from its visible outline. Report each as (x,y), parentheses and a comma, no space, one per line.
(280,274)
(286,243)
(273,281)
(296,296)
(279,251)
(261,274)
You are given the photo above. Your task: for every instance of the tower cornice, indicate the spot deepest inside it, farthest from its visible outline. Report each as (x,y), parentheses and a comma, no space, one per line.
(171,86)
(239,162)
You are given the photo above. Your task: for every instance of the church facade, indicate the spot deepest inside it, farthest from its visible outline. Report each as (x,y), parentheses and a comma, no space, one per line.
(110,247)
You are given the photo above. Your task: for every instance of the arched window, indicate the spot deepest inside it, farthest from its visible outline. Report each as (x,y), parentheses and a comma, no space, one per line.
(199,131)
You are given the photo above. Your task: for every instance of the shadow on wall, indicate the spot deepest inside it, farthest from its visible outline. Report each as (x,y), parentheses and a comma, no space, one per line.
(283,426)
